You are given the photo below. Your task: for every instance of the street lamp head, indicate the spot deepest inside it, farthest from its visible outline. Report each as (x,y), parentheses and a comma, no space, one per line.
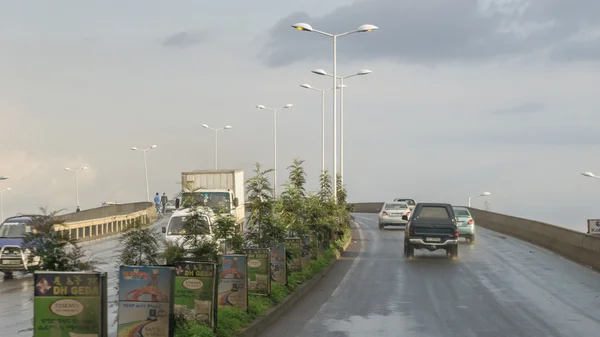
(485,194)
(307,86)
(588,174)
(287,106)
(84,168)
(227,127)
(260,107)
(67,169)
(303,27)
(153,146)
(365,28)
(204,126)
(134,148)
(364,72)
(3,177)
(8,189)
(320,72)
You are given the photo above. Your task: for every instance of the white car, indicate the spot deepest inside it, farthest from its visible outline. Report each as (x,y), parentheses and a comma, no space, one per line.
(175,230)
(410,202)
(394,214)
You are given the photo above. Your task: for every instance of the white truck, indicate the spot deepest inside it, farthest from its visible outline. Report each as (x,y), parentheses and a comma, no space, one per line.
(221,190)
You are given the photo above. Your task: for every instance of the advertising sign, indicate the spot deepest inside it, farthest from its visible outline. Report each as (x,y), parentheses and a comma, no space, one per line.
(196,291)
(594,226)
(295,246)
(145,294)
(233,281)
(305,259)
(68,304)
(278,264)
(259,270)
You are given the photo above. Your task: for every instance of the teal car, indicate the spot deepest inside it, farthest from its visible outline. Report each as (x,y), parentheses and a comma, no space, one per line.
(466,223)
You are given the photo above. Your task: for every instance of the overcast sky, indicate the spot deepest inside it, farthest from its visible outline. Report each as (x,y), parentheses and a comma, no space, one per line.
(465,96)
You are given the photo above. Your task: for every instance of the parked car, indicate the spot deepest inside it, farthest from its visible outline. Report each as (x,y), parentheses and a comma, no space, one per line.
(432,226)
(12,255)
(393,214)
(410,202)
(466,223)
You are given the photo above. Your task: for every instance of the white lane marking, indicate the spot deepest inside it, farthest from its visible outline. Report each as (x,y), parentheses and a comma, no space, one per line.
(353,265)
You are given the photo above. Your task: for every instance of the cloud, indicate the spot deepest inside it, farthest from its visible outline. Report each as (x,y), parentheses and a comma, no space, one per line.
(522,109)
(184,39)
(435,31)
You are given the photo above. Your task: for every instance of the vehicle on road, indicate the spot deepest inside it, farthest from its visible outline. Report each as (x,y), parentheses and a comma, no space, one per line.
(393,214)
(12,255)
(410,202)
(466,223)
(432,226)
(221,190)
(175,231)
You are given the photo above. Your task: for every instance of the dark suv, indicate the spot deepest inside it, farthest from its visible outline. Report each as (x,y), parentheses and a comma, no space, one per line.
(432,226)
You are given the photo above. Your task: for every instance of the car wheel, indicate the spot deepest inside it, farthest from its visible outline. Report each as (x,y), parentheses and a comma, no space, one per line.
(410,251)
(454,252)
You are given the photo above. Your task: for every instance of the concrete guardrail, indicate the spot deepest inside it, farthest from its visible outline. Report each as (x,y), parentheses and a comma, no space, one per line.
(577,246)
(366,207)
(104,221)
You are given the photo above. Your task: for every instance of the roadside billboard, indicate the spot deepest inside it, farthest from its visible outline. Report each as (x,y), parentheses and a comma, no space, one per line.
(196,291)
(594,226)
(278,264)
(259,270)
(68,304)
(295,246)
(145,305)
(233,281)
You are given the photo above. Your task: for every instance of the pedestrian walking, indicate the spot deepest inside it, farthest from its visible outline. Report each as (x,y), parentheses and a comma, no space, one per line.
(163,200)
(157,202)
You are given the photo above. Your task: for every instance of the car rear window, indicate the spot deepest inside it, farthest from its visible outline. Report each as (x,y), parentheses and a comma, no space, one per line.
(461,212)
(395,206)
(407,201)
(434,212)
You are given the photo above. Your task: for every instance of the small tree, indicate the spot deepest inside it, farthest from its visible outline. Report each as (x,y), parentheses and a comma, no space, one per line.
(57,252)
(263,222)
(140,246)
(225,230)
(326,191)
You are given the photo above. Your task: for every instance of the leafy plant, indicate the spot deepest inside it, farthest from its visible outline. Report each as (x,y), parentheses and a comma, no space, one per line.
(140,246)
(57,252)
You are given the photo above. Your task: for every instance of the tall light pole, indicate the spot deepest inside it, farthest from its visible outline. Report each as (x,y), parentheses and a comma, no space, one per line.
(262,107)
(361,29)
(308,86)
(2,202)
(226,127)
(146,166)
(76,181)
(484,194)
(342,78)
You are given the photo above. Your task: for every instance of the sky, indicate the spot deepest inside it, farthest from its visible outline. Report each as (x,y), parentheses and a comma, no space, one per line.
(465,96)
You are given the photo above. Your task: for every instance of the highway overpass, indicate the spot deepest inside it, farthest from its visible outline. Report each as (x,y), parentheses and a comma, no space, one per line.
(521,278)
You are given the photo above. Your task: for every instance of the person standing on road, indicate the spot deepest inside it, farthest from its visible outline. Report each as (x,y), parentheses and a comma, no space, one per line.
(163,201)
(157,202)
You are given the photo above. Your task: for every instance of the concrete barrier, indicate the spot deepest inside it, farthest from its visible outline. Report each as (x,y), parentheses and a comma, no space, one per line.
(367,207)
(577,246)
(104,221)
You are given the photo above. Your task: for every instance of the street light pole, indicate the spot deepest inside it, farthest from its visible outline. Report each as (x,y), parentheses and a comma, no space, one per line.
(262,107)
(226,127)
(342,85)
(76,181)
(146,167)
(361,29)
(2,203)
(484,194)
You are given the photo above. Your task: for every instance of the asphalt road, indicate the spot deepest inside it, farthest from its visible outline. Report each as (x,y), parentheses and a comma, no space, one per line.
(16,295)
(499,286)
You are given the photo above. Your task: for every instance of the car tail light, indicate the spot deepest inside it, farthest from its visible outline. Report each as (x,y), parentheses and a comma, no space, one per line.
(408,213)
(470,222)
(411,232)
(456,234)
(384,213)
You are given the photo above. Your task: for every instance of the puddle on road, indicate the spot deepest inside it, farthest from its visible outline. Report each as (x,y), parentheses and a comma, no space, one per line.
(372,325)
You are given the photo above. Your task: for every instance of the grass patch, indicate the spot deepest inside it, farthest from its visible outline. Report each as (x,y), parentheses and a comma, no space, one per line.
(232,320)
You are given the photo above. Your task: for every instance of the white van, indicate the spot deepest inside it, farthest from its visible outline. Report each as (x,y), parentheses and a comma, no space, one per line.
(175,231)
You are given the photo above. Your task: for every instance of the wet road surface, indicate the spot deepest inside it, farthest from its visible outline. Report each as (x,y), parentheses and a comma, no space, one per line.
(499,286)
(16,295)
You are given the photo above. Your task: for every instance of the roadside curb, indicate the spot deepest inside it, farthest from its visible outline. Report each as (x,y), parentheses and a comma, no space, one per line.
(275,312)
